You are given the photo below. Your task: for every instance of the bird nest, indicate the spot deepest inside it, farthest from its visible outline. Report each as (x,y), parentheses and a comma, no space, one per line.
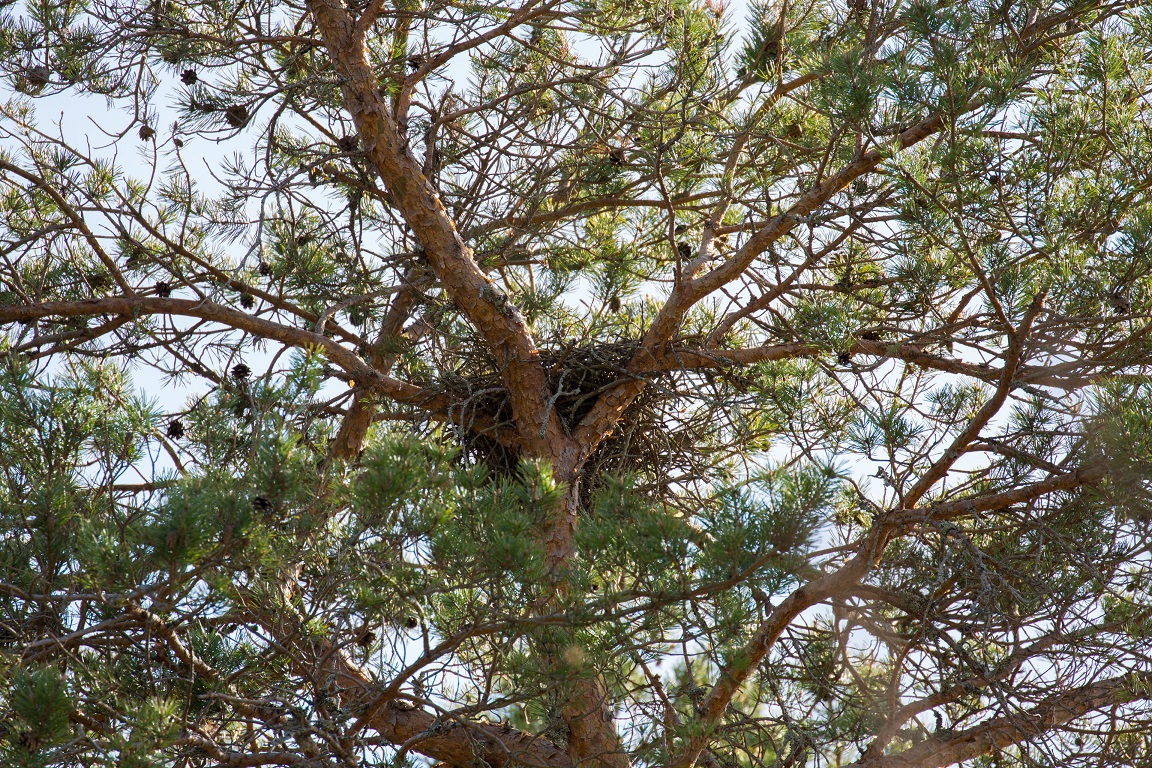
(662,438)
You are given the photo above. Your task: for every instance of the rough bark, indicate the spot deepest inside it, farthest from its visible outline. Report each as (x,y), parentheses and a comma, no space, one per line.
(495,318)
(541,435)
(587,711)
(455,741)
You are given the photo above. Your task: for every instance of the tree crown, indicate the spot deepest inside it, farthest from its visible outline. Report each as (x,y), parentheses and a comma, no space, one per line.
(561,384)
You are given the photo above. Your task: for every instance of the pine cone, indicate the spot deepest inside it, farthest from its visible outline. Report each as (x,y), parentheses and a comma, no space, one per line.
(236,115)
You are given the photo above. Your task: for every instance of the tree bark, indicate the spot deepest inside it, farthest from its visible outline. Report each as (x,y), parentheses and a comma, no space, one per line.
(592,733)
(587,711)
(350,439)
(498,321)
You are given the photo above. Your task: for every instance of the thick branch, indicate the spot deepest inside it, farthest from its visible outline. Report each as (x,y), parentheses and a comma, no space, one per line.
(1006,731)
(687,358)
(449,739)
(498,321)
(950,510)
(360,415)
(608,409)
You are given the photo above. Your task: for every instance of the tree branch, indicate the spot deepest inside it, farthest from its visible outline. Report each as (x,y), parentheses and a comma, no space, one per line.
(1006,731)
(598,423)
(869,549)
(449,739)
(498,321)
(137,306)
(361,413)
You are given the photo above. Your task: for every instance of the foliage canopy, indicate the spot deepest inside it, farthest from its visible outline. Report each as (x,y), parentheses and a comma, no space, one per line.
(575,383)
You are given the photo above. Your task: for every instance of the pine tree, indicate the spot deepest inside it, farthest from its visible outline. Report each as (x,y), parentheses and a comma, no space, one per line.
(604,384)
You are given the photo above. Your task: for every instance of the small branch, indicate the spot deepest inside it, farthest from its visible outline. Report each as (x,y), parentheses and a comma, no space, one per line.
(137,306)
(841,582)
(77,221)
(235,759)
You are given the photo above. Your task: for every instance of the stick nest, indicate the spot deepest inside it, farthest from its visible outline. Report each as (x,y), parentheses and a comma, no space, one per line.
(668,436)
